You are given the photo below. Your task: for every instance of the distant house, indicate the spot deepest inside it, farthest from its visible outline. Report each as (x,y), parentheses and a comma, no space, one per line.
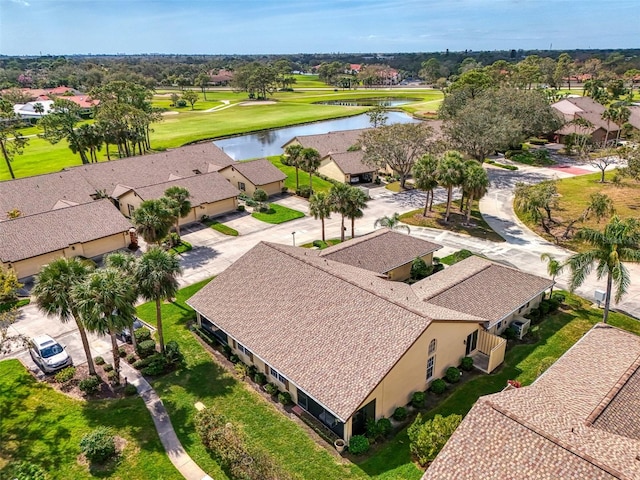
(347,343)
(254,174)
(89,230)
(210,195)
(579,419)
(33,110)
(347,167)
(221,78)
(587,109)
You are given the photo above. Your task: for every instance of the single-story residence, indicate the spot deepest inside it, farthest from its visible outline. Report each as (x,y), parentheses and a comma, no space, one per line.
(210,194)
(346,343)
(31,110)
(254,174)
(327,143)
(347,167)
(89,230)
(372,253)
(579,419)
(587,109)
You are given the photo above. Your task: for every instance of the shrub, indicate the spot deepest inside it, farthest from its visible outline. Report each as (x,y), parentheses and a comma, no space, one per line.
(534,315)
(417,399)
(113,376)
(271,389)
(130,389)
(544,307)
(234,358)
(438,386)
(285,398)
(260,378)
(384,426)
(510,333)
(142,334)
(241,369)
(158,365)
(142,363)
(131,359)
(90,385)
(241,208)
(285,189)
(400,414)
(452,375)
(27,471)
(559,297)
(146,348)
(251,203)
(99,445)
(304,191)
(359,444)
(181,103)
(65,375)
(553,304)
(226,350)
(107,367)
(373,430)
(428,437)
(99,360)
(466,364)
(172,353)
(260,196)
(318,243)
(122,352)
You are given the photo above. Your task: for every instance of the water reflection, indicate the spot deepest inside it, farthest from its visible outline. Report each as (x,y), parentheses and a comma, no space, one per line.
(370,102)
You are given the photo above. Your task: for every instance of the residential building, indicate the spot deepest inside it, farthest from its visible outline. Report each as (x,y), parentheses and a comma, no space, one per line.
(254,174)
(590,112)
(579,419)
(347,167)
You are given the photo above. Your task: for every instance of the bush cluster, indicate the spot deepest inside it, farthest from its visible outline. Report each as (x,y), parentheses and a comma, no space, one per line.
(130,389)
(146,348)
(142,334)
(65,375)
(107,367)
(285,398)
(378,429)
(27,471)
(99,445)
(417,399)
(90,385)
(438,386)
(510,333)
(260,378)
(99,361)
(228,443)
(452,375)
(113,376)
(271,389)
(400,414)
(359,444)
(304,191)
(122,352)
(131,358)
(466,364)
(428,437)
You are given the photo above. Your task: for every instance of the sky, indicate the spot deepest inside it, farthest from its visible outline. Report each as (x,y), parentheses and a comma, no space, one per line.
(54,27)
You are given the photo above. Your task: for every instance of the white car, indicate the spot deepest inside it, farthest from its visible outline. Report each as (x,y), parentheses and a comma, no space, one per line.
(48,354)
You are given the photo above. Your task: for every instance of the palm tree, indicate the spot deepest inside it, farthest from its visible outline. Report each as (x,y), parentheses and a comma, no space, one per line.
(618,243)
(610,115)
(554,268)
(357,200)
(157,279)
(177,202)
(152,221)
(53,292)
(320,208)
(310,163)
(127,264)
(425,178)
(106,301)
(292,153)
(449,175)
(339,201)
(392,223)
(475,184)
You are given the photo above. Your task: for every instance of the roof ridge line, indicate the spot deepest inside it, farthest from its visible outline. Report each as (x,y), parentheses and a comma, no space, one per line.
(561,443)
(334,274)
(99,200)
(355,241)
(448,286)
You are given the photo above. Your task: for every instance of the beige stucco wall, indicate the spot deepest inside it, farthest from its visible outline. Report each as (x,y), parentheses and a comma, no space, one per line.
(216,208)
(95,248)
(410,373)
(235,177)
(329,169)
(129,198)
(403,272)
(500,328)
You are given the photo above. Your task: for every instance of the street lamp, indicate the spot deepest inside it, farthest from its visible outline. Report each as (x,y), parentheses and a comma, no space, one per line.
(293,234)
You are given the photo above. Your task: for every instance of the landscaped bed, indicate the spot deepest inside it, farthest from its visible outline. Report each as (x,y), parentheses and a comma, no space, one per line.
(221,227)
(277,214)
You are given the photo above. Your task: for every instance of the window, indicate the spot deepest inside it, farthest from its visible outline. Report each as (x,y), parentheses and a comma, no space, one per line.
(499,325)
(245,350)
(431,363)
(432,346)
(131,209)
(275,374)
(242,186)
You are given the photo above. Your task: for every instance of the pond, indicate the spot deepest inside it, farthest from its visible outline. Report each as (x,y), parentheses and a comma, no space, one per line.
(269,142)
(370,102)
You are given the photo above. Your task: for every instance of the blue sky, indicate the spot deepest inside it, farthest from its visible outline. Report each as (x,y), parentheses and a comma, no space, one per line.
(31,27)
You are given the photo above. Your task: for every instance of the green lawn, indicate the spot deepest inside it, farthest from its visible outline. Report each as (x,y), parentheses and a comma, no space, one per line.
(456,257)
(42,426)
(204,380)
(319,184)
(221,227)
(277,214)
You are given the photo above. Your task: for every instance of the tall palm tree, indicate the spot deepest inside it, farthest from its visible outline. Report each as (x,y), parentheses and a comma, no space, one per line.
(425,177)
(292,152)
(449,175)
(127,264)
(610,115)
(339,201)
(106,301)
(475,184)
(310,163)
(618,243)
(554,267)
(320,208)
(53,292)
(392,222)
(157,279)
(177,202)
(357,200)
(152,220)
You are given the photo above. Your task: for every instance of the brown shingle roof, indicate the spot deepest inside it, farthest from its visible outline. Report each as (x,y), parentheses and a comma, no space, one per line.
(34,235)
(259,172)
(380,251)
(205,188)
(332,142)
(482,288)
(544,431)
(351,162)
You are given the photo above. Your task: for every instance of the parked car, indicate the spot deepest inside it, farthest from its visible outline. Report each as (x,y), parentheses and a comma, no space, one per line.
(48,354)
(125,335)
